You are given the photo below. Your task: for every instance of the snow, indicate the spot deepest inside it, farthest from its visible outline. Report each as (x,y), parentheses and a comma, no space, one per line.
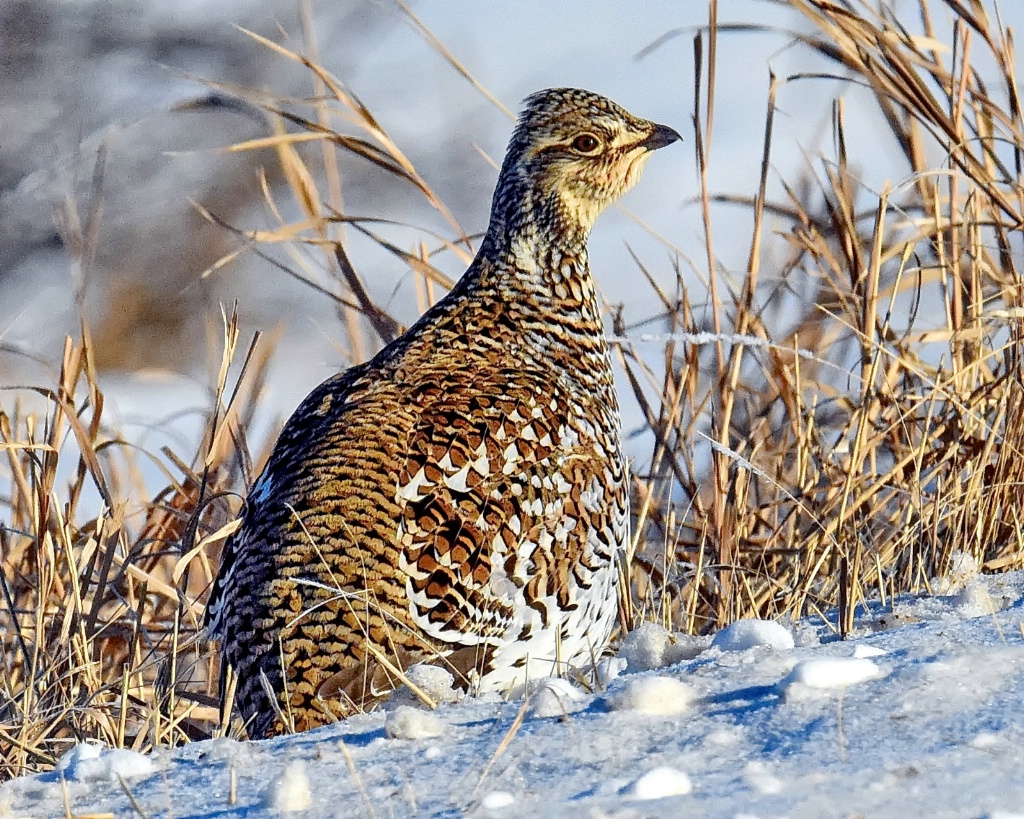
(746,634)
(661,783)
(496,800)
(658,696)
(831,672)
(290,791)
(609,669)
(407,722)
(758,777)
(918,717)
(963,569)
(426,684)
(864,650)
(92,762)
(651,646)
(973,600)
(556,697)
(644,648)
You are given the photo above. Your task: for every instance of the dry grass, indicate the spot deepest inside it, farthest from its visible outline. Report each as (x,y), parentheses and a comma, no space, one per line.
(99,616)
(854,450)
(851,453)
(829,432)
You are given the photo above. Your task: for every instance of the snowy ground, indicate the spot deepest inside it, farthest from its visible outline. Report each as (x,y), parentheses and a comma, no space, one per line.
(918,715)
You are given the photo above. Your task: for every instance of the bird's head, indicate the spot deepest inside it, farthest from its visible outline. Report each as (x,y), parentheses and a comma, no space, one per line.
(572,154)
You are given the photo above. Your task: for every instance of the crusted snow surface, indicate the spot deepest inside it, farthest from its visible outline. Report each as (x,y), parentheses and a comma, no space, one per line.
(651,646)
(290,791)
(555,697)
(495,800)
(90,761)
(407,722)
(831,672)
(920,715)
(746,634)
(660,783)
(657,695)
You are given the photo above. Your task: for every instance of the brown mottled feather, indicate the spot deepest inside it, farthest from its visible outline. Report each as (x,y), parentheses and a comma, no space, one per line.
(461,498)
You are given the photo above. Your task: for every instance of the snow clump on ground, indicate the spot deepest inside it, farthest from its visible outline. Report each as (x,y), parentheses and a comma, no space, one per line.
(918,713)
(747,634)
(90,761)
(658,696)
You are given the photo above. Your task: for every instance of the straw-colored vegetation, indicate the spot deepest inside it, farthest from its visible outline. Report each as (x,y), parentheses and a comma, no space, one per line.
(827,432)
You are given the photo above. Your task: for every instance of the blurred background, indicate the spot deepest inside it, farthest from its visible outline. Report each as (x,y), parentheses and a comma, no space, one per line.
(105,120)
(112,133)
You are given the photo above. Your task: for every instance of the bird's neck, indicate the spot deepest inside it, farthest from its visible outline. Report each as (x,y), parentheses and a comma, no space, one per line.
(522,204)
(532,267)
(536,242)
(544,220)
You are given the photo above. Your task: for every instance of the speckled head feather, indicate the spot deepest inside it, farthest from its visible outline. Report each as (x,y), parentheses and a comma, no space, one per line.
(572,154)
(461,499)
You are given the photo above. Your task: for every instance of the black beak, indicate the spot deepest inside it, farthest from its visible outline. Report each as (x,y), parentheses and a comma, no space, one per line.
(660,137)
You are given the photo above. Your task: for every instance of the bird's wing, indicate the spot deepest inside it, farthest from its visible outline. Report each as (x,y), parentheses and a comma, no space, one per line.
(298,440)
(450,512)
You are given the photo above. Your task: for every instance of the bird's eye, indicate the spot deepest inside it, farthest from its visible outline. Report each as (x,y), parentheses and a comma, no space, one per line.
(586,143)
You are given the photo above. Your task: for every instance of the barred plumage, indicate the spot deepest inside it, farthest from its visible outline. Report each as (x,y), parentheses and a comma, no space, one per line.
(462,498)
